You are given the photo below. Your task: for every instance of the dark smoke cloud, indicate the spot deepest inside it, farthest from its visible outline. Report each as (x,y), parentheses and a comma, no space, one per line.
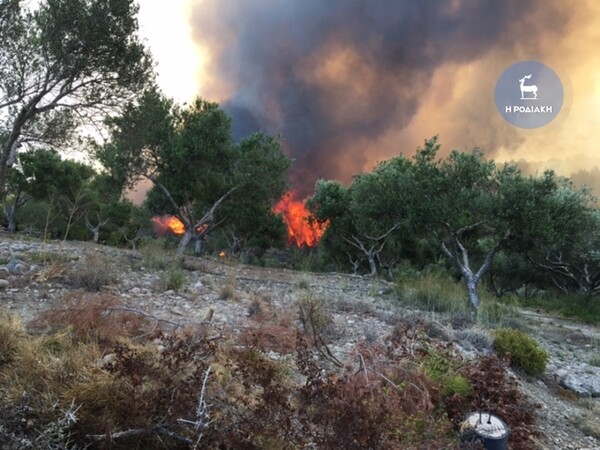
(330,76)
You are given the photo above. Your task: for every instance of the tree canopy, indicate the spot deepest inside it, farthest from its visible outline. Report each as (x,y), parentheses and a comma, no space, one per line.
(467,207)
(67,63)
(188,155)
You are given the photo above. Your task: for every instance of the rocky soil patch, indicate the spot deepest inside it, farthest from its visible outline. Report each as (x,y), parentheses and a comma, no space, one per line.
(36,275)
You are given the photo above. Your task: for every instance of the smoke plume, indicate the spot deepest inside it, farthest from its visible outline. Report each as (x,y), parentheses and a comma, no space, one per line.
(347,83)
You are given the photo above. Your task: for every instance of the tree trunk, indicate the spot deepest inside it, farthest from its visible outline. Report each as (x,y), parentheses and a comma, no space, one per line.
(184,242)
(198,246)
(11,217)
(372,264)
(459,255)
(472,290)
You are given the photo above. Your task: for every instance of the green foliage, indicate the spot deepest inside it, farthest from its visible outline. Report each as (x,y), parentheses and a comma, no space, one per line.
(62,186)
(260,174)
(432,292)
(172,279)
(441,368)
(576,306)
(525,353)
(455,384)
(487,220)
(188,154)
(594,360)
(74,58)
(494,313)
(156,254)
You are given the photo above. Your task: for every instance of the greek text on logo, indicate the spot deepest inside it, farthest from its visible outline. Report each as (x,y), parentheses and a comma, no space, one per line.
(529,94)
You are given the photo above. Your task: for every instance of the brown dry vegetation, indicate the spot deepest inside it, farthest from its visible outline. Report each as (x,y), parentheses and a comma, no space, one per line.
(100,375)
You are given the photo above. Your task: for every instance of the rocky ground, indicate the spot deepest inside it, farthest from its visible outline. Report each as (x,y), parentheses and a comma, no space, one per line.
(34,276)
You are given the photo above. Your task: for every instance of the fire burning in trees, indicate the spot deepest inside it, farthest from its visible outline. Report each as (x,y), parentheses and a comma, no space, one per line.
(164,225)
(302,229)
(168,224)
(301,226)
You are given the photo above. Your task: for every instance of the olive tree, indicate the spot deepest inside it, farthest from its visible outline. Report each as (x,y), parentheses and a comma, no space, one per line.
(65,64)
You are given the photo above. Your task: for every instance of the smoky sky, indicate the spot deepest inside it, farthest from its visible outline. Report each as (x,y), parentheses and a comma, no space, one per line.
(330,76)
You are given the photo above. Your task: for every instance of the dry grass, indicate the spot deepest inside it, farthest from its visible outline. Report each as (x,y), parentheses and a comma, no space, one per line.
(42,366)
(228,290)
(155,254)
(93,273)
(93,317)
(10,335)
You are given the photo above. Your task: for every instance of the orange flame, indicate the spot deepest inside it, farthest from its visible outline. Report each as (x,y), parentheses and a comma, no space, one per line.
(303,230)
(168,224)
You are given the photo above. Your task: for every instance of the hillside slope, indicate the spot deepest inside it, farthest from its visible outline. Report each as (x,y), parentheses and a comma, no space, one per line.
(356,311)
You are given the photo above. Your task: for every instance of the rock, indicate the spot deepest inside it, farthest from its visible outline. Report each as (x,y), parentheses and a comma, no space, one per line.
(16,266)
(4,284)
(109,359)
(583,384)
(177,312)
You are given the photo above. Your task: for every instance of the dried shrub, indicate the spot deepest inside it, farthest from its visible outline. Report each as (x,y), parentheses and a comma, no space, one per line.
(145,391)
(93,273)
(523,351)
(55,269)
(381,406)
(93,316)
(314,316)
(42,368)
(495,392)
(476,338)
(228,290)
(10,334)
(276,333)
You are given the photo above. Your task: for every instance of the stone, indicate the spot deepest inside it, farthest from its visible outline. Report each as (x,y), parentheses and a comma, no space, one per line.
(16,266)
(583,384)
(4,284)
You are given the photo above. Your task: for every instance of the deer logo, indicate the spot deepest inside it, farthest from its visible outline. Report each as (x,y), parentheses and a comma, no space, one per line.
(528,88)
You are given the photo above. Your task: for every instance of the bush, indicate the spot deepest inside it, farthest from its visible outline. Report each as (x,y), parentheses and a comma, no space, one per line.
(155,254)
(92,317)
(432,292)
(454,384)
(524,352)
(172,279)
(314,316)
(495,314)
(92,274)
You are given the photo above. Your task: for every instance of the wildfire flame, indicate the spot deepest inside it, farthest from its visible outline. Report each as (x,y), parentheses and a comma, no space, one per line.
(164,225)
(168,224)
(302,229)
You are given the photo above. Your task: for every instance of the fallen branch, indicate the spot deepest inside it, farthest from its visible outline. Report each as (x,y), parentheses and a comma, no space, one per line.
(110,437)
